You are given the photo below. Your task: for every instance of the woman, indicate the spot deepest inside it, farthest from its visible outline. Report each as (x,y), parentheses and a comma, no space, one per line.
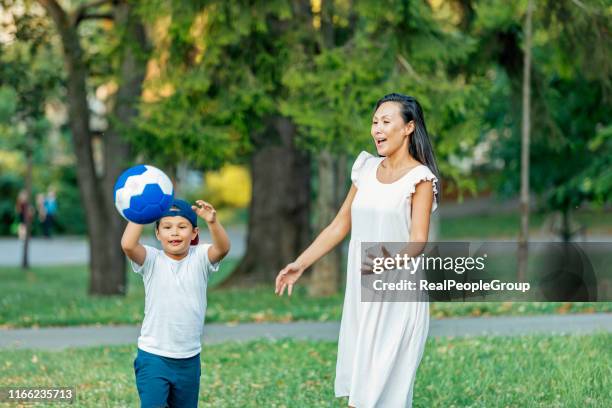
(391,199)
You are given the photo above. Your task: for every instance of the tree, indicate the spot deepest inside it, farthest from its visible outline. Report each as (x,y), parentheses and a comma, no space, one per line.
(570,86)
(107,263)
(578,90)
(365,54)
(222,76)
(525,129)
(274,83)
(326,274)
(29,77)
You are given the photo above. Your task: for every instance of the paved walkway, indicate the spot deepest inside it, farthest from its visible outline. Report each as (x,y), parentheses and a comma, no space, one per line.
(61,338)
(75,250)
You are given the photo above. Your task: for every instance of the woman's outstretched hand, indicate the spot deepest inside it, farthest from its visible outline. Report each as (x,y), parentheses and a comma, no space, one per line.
(287,277)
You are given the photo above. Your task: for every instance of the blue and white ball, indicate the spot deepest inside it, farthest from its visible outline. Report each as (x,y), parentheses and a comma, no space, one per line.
(143,193)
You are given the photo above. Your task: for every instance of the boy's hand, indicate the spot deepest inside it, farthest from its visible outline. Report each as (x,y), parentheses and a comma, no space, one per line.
(220,241)
(205,211)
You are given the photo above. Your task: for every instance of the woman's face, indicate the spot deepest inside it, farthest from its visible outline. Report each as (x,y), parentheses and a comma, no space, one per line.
(389,130)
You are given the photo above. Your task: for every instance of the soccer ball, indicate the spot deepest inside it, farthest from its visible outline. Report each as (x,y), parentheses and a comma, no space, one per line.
(143,193)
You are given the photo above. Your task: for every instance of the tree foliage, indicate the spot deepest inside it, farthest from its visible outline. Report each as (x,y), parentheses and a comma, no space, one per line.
(571,99)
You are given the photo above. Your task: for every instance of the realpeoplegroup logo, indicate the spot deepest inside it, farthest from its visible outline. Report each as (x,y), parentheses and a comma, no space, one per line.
(451,284)
(485,271)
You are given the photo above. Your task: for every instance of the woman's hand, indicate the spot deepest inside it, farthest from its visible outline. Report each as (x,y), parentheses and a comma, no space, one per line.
(287,277)
(371,254)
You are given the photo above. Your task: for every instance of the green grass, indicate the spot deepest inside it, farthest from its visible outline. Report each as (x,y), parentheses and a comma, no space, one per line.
(507,225)
(528,371)
(57,296)
(476,309)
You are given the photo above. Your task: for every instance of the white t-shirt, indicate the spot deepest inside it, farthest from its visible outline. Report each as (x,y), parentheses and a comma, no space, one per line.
(175,301)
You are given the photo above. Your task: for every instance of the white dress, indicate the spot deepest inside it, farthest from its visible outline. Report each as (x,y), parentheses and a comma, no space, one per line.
(381,343)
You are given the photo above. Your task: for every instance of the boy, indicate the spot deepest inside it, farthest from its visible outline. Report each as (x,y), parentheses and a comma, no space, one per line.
(167,365)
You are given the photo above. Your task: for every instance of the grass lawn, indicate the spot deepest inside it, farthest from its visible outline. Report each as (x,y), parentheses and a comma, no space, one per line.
(528,371)
(507,225)
(56,296)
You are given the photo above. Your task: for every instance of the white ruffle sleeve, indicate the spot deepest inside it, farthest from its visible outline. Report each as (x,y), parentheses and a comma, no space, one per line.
(423,174)
(358,166)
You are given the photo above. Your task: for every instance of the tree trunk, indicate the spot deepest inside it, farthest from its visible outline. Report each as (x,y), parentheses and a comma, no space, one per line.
(131,75)
(325,277)
(325,273)
(279,211)
(107,262)
(566,228)
(28,214)
(524,235)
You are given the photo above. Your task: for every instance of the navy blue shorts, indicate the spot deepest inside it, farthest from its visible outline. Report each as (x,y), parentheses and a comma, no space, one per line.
(167,382)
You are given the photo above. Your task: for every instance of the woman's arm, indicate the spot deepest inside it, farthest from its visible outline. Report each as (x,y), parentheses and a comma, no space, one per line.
(130,243)
(331,236)
(422,201)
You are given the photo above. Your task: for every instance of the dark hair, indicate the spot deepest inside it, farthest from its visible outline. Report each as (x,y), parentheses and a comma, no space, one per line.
(419,146)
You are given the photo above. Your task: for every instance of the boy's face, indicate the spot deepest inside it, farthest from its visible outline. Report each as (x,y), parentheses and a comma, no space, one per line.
(175,234)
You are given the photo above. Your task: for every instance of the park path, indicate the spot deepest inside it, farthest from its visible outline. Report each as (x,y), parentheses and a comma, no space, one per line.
(64,337)
(75,250)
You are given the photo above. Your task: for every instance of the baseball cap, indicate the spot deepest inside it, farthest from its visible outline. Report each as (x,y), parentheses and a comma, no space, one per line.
(181,208)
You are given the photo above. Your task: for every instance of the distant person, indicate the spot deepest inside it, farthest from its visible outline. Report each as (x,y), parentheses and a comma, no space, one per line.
(391,200)
(51,211)
(22,210)
(167,365)
(41,211)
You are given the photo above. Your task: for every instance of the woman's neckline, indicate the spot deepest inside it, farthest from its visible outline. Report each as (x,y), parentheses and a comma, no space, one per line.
(399,179)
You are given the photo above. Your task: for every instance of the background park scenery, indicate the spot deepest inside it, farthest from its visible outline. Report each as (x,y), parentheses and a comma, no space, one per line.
(260,108)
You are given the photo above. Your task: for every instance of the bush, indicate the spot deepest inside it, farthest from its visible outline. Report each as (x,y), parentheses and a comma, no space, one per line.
(10,184)
(70,212)
(229,187)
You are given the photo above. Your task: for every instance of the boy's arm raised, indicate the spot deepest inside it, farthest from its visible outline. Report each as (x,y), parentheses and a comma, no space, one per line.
(130,243)
(220,241)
